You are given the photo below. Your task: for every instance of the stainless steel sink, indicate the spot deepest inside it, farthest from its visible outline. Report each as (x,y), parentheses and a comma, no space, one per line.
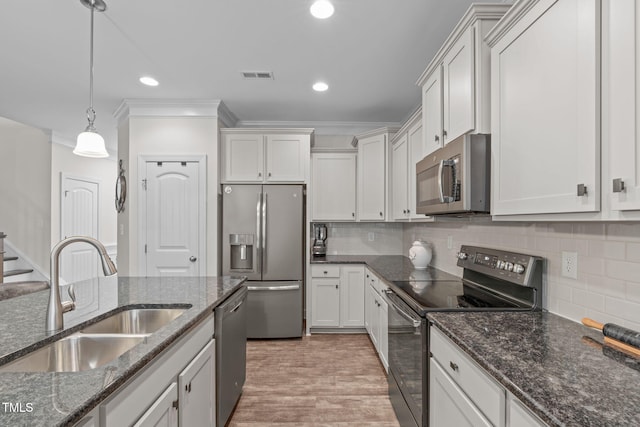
(74,353)
(135,321)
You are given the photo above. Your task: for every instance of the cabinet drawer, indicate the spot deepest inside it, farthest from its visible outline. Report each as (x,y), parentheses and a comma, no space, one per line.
(485,393)
(325,270)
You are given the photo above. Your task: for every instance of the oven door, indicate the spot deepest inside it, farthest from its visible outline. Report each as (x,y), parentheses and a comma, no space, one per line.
(407,362)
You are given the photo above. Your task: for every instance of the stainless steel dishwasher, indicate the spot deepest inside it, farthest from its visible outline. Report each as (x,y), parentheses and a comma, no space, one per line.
(231,353)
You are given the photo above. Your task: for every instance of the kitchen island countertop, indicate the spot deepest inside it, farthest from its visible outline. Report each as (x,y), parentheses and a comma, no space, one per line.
(63,398)
(556,367)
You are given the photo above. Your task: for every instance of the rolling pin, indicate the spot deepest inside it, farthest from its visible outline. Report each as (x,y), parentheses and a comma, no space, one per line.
(617,336)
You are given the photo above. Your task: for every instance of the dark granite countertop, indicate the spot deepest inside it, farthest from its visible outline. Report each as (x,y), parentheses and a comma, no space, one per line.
(392,268)
(556,367)
(64,398)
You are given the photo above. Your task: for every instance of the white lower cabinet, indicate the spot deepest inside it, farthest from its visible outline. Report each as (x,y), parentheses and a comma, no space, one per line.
(461,393)
(337,296)
(177,388)
(377,313)
(163,412)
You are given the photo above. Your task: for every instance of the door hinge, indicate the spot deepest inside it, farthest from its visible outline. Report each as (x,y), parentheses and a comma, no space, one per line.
(144,183)
(175,404)
(183,163)
(66,193)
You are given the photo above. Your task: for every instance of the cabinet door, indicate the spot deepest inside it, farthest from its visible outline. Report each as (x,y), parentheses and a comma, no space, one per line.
(163,412)
(448,405)
(243,157)
(352,297)
(383,338)
(333,187)
(369,306)
(432,112)
(545,114)
(375,317)
(519,416)
(196,384)
(399,178)
(325,302)
(621,50)
(371,178)
(286,156)
(416,153)
(458,70)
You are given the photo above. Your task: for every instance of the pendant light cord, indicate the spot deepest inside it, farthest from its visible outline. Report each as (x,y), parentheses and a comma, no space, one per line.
(91,113)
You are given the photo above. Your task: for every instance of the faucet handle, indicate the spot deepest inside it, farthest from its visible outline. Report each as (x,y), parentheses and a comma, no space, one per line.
(70,305)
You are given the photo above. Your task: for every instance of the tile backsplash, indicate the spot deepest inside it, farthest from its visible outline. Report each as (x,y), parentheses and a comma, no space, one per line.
(364,238)
(607,287)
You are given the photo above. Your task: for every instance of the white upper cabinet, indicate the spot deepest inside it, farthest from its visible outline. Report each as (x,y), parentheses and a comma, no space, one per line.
(620,115)
(265,155)
(333,187)
(432,112)
(372,169)
(456,84)
(545,115)
(407,149)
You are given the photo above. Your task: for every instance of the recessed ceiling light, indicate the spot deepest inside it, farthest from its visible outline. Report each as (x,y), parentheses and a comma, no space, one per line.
(148,81)
(321,9)
(320,86)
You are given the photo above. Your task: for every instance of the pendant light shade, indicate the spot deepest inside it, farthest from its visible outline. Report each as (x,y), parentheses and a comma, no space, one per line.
(90,143)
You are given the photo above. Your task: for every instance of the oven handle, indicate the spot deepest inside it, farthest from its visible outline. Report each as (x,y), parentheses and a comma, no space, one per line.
(416,323)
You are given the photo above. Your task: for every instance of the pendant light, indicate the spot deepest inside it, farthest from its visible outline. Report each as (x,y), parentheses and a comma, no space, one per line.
(90,143)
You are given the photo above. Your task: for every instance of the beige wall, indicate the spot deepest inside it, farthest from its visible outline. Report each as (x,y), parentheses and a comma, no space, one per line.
(104,171)
(608,285)
(166,136)
(25,189)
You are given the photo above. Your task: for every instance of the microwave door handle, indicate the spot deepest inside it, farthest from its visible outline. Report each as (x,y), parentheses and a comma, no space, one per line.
(440,172)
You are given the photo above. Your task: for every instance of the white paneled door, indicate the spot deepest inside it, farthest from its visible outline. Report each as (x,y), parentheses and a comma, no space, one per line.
(79,217)
(172,219)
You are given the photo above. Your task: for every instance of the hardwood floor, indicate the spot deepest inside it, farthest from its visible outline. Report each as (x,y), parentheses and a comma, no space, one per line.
(321,380)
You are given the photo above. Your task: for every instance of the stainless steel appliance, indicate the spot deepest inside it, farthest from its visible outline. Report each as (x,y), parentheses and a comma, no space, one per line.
(456,178)
(491,280)
(231,352)
(319,240)
(263,239)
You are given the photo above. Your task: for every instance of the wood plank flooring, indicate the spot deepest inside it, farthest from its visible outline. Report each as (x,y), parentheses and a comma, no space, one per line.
(320,381)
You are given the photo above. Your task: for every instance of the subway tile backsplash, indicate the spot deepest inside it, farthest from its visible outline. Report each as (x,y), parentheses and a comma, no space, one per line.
(608,285)
(364,238)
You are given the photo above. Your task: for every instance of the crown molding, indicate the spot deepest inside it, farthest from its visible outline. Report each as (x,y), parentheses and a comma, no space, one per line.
(321,127)
(379,131)
(511,18)
(174,108)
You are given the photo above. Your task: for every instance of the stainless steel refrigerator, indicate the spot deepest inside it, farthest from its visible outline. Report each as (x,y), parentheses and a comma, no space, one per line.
(263,239)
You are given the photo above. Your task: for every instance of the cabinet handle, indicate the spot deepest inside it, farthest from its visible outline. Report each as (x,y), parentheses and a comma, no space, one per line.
(353,214)
(444,133)
(259,174)
(325,272)
(336,286)
(269,173)
(582,190)
(618,185)
(380,213)
(404,211)
(437,138)
(408,211)
(453,366)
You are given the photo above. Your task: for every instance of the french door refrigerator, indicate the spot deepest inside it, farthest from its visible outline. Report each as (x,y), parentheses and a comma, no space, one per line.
(263,239)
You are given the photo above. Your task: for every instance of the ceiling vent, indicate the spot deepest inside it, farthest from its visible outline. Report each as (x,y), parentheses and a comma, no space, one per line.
(257,75)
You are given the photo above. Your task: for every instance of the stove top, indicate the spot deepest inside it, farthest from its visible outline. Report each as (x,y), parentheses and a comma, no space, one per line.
(491,280)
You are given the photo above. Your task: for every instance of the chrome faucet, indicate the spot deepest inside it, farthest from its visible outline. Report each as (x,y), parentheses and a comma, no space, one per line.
(56,307)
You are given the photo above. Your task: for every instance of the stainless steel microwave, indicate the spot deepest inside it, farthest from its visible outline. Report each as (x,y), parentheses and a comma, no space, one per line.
(455,179)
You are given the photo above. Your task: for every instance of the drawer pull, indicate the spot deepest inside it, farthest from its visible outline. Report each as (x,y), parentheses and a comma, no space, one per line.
(453,366)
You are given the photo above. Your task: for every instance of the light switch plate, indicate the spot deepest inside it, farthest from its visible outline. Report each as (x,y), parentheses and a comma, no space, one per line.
(570,264)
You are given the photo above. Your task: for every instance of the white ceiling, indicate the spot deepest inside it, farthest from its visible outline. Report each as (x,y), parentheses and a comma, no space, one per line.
(370,53)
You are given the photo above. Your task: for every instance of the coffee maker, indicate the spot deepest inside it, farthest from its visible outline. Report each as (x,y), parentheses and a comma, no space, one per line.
(319,239)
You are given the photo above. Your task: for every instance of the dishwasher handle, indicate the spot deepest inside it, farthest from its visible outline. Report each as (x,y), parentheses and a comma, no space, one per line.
(415,322)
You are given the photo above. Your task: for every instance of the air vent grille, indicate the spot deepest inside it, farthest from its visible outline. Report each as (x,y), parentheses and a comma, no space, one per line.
(257,75)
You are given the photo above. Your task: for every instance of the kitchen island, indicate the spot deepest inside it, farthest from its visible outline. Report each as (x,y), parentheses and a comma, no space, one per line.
(557,368)
(63,398)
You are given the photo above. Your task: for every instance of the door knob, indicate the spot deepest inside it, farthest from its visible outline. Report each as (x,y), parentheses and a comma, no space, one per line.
(193,259)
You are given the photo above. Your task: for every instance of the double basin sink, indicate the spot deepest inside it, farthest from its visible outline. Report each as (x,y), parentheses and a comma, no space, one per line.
(97,344)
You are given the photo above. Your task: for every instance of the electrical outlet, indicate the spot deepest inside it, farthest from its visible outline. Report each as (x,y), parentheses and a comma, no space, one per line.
(570,264)
(449,242)
(372,237)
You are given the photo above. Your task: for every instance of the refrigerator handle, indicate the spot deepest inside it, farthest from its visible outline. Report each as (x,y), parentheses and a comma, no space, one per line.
(264,230)
(258,234)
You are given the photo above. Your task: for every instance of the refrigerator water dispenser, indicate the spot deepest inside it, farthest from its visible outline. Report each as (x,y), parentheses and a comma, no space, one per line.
(241,252)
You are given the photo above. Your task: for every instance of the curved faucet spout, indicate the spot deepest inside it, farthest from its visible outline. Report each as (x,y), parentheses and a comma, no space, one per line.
(55,308)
